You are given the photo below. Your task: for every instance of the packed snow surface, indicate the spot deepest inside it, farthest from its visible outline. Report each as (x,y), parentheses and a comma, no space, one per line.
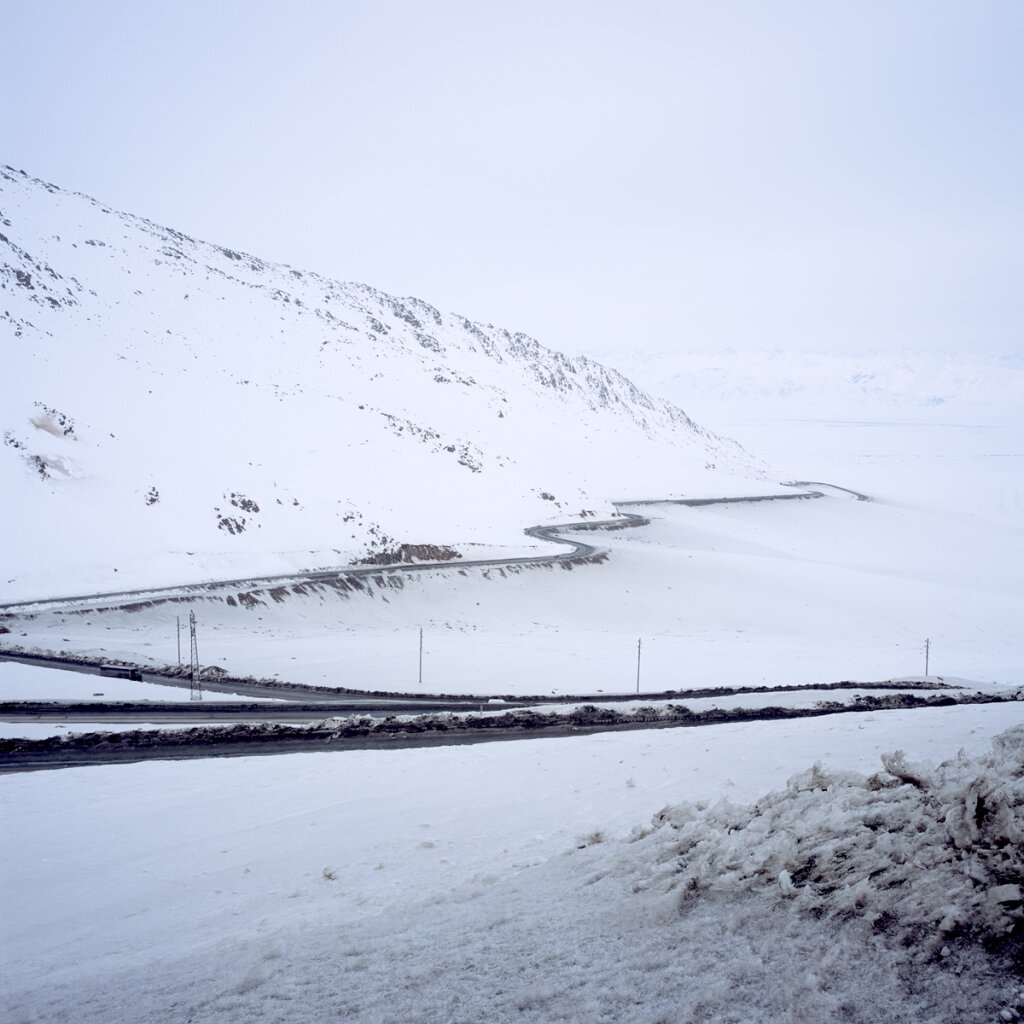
(670,876)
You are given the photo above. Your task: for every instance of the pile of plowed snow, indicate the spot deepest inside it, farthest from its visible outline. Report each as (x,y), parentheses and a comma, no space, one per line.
(915,856)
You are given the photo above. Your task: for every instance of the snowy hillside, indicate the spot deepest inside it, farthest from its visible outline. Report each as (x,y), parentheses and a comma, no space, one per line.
(174,410)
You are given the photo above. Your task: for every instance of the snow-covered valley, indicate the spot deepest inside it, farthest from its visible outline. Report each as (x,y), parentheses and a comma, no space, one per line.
(273,421)
(772,592)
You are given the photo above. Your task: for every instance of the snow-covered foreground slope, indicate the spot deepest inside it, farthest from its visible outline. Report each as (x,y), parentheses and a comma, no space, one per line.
(522,882)
(174,411)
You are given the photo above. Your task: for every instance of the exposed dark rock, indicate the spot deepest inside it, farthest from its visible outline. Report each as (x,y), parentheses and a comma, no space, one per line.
(412,553)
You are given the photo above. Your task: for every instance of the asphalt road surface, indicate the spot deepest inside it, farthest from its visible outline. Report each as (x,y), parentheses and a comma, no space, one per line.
(323,702)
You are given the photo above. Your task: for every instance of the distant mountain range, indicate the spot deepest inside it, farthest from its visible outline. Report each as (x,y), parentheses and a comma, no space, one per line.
(175,410)
(805,382)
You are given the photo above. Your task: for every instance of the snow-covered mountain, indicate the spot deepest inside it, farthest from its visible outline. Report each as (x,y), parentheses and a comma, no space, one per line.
(174,410)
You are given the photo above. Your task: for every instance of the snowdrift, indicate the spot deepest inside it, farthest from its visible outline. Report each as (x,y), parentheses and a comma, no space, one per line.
(914,857)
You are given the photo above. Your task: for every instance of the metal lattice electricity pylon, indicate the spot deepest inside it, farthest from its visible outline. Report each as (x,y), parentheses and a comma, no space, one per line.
(195,688)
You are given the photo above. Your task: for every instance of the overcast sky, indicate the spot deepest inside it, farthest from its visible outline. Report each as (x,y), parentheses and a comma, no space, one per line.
(644,175)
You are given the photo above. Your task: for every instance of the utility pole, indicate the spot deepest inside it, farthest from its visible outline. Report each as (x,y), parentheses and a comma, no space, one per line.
(927,651)
(195,687)
(421,655)
(638,666)
(179,641)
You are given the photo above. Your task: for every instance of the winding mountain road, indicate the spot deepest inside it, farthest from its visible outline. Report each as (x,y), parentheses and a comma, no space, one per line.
(327,708)
(580,552)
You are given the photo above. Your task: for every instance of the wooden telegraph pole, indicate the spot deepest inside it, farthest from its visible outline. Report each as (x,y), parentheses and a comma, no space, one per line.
(927,651)
(638,666)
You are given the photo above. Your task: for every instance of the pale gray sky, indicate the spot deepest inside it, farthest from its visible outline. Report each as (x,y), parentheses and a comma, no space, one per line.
(797,174)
